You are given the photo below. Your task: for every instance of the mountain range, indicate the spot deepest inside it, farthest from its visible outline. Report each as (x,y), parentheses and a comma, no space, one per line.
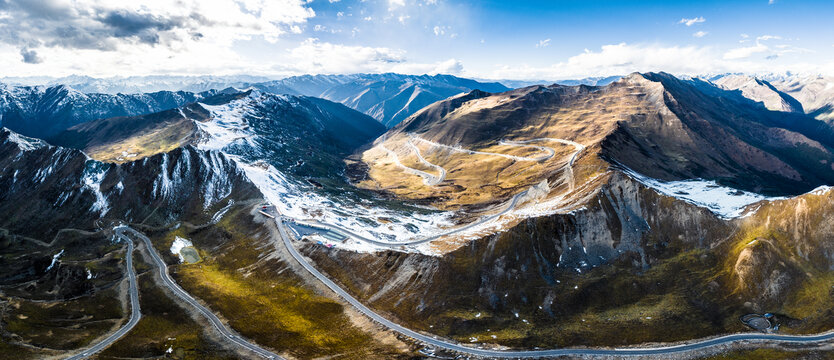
(389,98)
(532,218)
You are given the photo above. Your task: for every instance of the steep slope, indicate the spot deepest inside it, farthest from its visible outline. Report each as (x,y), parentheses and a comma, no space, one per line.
(654,124)
(58,187)
(630,266)
(816,93)
(43,112)
(725,137)
(761,91)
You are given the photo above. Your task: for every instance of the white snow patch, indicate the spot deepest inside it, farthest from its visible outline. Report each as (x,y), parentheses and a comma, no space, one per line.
(94,172)
(726,202)
(55,260)
(179,244)
(162,185)
(25,143)
(227,125)
(292,201)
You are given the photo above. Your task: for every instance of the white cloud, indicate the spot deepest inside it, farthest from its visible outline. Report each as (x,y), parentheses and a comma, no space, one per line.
(760,47)
(623,58)
(315,57)
(700,34)
(769,37)
(745,52)
(438,30)
(403,18)
(139,34)
(771,2)
(543,43)
(322,28)
(692,21)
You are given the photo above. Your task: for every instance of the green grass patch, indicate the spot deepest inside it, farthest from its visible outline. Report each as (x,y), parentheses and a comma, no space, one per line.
(164,325)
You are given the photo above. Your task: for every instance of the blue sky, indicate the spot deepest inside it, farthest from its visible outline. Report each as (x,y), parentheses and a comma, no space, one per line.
(487,39)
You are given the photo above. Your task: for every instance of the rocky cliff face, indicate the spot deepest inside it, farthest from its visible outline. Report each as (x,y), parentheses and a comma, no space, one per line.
(56,187)
(549,268)
(629,256)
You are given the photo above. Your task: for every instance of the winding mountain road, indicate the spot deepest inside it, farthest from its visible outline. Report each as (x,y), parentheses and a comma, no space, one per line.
(428,179)
(441,172)
(694,345)
(527,354)
(392,245)
(184,296)
(135,312)
(431,179)
(549,152)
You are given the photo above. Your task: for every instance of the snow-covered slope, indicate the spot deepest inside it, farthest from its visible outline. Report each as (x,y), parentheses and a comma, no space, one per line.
(271,138)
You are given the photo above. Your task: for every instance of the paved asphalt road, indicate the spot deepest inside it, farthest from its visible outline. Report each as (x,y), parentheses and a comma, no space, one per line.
(179,292)
(513,202)
(135,314)
(634,351)
(391,245)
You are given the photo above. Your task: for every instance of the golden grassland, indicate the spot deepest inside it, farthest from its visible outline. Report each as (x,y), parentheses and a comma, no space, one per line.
(160,139)
(479,179)
(471,179)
